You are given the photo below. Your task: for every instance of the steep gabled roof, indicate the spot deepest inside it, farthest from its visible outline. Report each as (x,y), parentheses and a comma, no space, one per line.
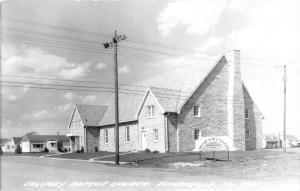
(90,114)
(17,140)
(3,141)
(166,87)
(167,98)
(45,138)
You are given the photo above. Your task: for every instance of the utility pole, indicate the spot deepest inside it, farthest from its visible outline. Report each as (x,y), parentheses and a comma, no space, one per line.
(284,110)
(114,43)
(21,129)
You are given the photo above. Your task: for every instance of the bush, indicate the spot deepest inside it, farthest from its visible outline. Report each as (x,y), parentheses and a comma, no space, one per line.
(46,150)
(1,152)
(62,149)
(18,150)
(156,152)
(147,150)
(96,149)
(78,151)
(82,149)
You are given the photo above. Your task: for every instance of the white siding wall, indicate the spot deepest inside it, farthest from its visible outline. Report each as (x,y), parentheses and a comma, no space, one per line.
(25,146)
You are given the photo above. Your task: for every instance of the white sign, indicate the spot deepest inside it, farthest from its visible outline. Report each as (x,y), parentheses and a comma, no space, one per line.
(217,143)
(214,144)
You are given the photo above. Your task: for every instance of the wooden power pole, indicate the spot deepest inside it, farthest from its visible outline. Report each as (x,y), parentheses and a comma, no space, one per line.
(284,110)
(114,43)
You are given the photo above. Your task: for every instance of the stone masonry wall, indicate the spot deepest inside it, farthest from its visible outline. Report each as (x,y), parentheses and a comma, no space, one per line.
(92,134)
(147,124)
(238,105)
(253,123)
(124,146)
(211,96)
(172,132)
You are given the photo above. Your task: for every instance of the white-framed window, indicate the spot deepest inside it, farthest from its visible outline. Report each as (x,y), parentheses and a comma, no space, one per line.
(106,136)
(150,111)
(155,135)
(127,134)
(197,134)
(247,135)
(197,111)
(247,113)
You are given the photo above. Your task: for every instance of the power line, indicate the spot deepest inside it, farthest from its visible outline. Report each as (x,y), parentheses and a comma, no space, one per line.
(123,91)
(76,81)
(56,27)
(76,86)
(131,53)
(50,35)
(99,34)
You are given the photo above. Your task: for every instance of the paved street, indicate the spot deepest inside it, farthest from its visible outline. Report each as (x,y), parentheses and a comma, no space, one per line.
(23,173)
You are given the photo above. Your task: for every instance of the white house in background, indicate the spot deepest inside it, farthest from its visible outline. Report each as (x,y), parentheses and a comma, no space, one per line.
(2,144)
(11,144)
(37,143)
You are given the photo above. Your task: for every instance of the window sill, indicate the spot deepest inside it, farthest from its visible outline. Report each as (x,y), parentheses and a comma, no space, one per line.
(156,141)
(197,116)
(150,117)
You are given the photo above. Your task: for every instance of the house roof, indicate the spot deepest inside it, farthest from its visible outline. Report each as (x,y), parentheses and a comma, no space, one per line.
(291,137)
(90,114)
(45,138)
(167,98)
(17,140)
(166,87)
(3,141)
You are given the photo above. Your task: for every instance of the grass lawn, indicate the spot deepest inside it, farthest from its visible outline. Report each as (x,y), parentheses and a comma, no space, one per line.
(164,158)
(142,156)
(82,156)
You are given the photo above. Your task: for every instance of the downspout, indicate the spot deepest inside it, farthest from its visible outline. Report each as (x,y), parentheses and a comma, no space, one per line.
(167,133)
(85,139)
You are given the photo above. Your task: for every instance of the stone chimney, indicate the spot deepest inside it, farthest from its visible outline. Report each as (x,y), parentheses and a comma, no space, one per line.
(235,101)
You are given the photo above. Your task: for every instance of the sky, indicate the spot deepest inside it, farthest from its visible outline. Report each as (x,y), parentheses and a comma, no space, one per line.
(60,43)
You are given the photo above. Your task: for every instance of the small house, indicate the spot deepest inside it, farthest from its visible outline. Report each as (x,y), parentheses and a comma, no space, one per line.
(11,144)
(37,143)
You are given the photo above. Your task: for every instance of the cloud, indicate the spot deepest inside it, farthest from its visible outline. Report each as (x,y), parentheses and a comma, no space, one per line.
(37,115)
(90,99)
(70,96)
(198,16)
(66,108)
(209,44)
(101,66)
(74,99)
(124,69)
(31,61)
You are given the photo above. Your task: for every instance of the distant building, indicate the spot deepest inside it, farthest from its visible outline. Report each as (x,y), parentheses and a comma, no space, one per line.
(171,112)
(2,144)
(37,143)
(276,141)
(292,141)
(11,144)
(272,141)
